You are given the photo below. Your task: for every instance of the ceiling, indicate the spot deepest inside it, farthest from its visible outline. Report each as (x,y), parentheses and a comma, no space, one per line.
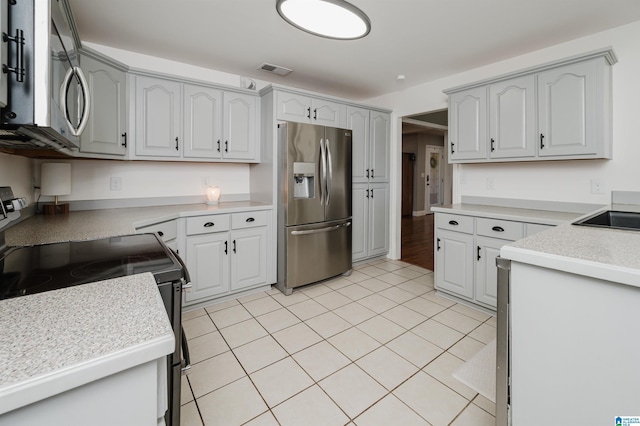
(421,39)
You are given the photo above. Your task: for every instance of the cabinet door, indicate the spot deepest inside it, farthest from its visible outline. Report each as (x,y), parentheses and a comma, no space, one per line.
(4,28)
(248,258)
(358,122)
(292,107)
(378,219)
(359,221)
(567,110)
(512,118)
(326,113)
(158,116)
(454,262)
(379,146)
(208,264)
(486,285)
(240,126)
(106,130)
(468,124)
(202,122)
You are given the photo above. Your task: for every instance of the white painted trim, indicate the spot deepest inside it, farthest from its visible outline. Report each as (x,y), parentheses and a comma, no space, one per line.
(424,124)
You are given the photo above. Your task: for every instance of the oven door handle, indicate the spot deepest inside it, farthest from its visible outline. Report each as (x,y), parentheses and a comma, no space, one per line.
(187,279)
(185,352)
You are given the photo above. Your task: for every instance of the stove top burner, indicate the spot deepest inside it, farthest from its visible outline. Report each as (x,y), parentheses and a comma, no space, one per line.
(35,269)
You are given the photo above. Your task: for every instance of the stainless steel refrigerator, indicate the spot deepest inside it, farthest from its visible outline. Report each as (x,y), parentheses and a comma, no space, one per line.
(314,212)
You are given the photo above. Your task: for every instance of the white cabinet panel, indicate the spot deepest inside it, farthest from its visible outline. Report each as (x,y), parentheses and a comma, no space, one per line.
(202,122)
(379,151)
(378,219)
(512,117)
(358,122)
(486,285)
(360,221)
(249,258)
(240,126)
(208,264)
(301,108)
(567,110)
(158,117)
(106,131)
(468,124)
(454,263)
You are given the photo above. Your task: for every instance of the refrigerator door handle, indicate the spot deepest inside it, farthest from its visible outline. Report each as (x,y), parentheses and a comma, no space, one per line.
(186,363)
(319,230)
(323,172)
(329,172)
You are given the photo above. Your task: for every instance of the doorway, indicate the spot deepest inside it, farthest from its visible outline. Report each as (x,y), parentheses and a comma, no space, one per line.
(423,136)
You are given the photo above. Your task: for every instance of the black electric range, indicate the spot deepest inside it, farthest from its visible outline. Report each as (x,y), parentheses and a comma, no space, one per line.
(39,268)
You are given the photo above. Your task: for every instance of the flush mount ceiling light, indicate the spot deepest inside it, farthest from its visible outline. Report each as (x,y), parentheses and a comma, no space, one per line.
(335,19)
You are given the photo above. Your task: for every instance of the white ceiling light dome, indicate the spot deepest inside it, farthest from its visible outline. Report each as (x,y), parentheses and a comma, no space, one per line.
(335,19)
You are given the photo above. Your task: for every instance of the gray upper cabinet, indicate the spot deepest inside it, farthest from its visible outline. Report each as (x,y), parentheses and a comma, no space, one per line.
(557,111)
(202,122)
(195,122)
(570,115)
(370,144)
(301,108)
(158,117)
(240,126)
(468,124)
(512,117)
(106,131)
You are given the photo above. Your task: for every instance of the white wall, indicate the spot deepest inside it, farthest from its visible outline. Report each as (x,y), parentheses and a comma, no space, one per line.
(144,179)
(17,172)
(551,180)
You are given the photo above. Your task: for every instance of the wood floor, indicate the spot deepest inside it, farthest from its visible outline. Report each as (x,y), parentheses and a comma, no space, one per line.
(417,240)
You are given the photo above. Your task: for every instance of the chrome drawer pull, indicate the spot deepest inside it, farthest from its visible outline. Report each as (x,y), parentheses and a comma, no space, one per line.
(209,224)
(453,222)
(498,228)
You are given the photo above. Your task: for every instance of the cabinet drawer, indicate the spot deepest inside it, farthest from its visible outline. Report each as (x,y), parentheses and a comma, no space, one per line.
(455,222)
(248,220)
(502,229)
(166,230)
(207,224)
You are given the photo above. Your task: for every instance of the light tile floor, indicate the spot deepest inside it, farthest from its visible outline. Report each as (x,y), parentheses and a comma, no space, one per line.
(376,348)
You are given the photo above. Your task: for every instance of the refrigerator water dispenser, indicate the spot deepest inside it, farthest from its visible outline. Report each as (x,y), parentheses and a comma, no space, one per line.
(303,180)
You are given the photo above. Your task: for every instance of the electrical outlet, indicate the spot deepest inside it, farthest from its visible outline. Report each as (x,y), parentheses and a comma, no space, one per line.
(115,183)
(491,183)
(597,186)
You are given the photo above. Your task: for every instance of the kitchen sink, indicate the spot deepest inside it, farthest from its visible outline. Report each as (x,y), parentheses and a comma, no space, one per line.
(612,219)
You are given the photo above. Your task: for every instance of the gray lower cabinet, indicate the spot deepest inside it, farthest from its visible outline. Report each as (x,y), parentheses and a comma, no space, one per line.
(370,220)
(106,131)
(466,248)
(225,253)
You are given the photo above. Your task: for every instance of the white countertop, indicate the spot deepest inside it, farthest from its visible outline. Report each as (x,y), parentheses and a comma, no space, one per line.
(544,217)
(58,340)
(92,224)
(608,254)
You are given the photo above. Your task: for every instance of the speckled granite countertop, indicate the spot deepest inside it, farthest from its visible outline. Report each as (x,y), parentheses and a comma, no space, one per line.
(608,254)
(58,340)
(92,224)
(545,217)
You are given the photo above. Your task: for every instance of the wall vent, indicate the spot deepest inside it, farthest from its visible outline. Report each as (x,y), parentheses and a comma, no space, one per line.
(276,69)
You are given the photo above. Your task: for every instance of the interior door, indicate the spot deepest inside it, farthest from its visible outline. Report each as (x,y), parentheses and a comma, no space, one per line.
(434,176)
(338,154)
(304,173)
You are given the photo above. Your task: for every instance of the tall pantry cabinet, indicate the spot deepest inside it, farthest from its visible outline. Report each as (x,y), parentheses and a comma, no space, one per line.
(370,172)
